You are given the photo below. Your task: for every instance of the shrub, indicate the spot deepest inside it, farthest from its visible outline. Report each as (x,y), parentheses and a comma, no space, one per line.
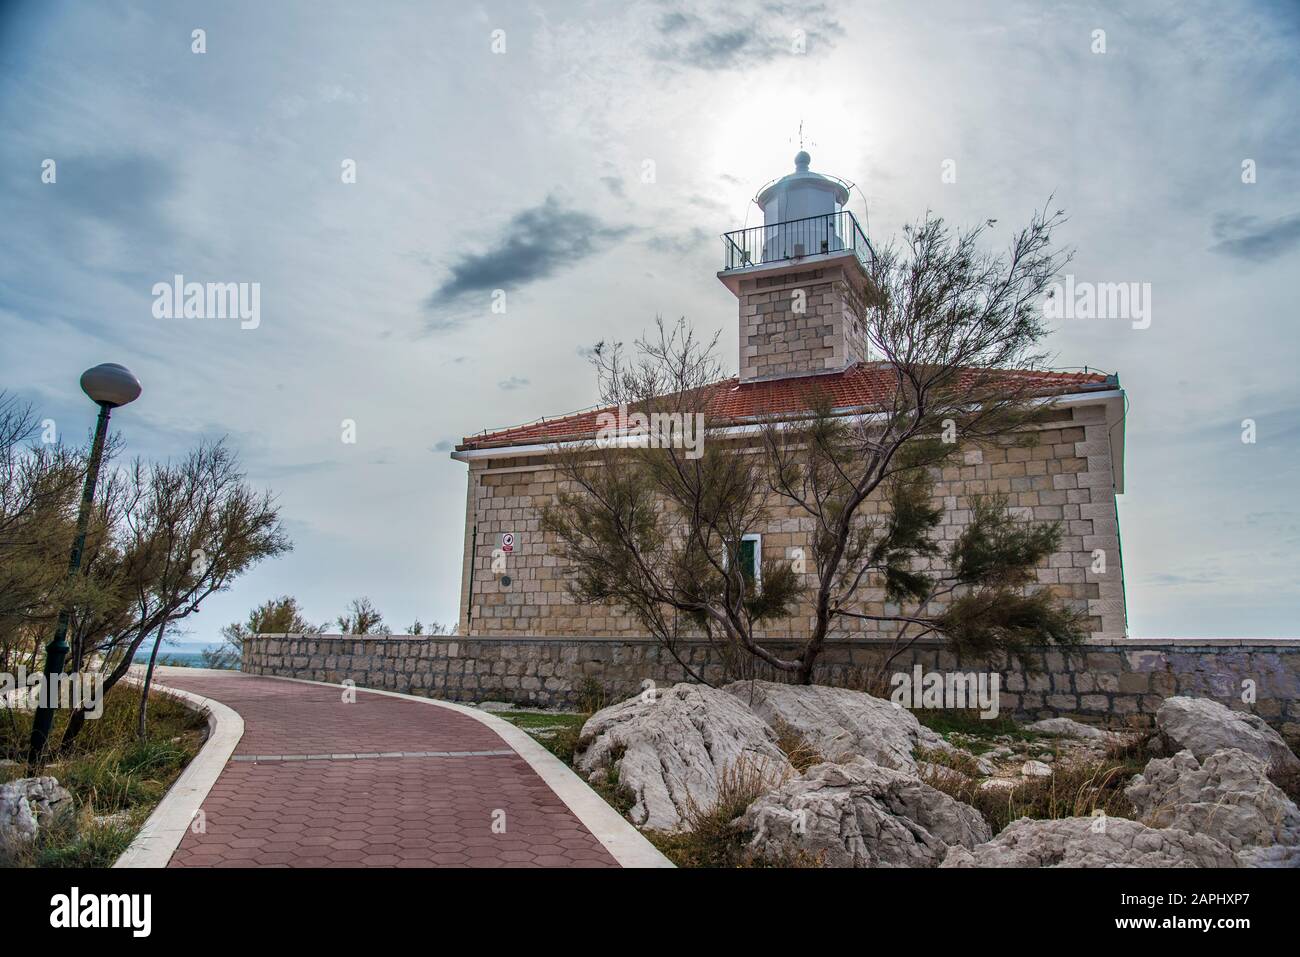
(115,779)
(801,753)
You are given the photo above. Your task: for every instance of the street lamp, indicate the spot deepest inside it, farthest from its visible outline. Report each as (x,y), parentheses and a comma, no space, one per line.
(109,386)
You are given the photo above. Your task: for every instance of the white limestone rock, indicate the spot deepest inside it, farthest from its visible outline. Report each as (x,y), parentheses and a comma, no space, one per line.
(1227,797)
(859,814)
(1069,728)
(1092,842)
(27,803)
(841,723)
(1203,726)
(1275,855)
(672,751)
(1035,769)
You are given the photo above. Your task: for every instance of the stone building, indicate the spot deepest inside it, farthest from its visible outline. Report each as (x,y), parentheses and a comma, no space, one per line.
(794,278)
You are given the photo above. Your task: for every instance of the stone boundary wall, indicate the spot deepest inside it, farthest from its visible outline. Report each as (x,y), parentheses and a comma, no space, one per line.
(1116,682)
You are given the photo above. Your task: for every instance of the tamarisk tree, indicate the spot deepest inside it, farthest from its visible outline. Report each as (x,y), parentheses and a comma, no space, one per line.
(657,526)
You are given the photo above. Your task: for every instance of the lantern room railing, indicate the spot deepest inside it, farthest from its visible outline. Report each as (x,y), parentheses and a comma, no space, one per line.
(796,239)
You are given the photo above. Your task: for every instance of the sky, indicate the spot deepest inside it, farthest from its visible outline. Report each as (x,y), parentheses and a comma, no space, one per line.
(583,159)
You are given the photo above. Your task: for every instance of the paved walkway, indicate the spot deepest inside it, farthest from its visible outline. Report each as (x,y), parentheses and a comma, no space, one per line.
(381,782)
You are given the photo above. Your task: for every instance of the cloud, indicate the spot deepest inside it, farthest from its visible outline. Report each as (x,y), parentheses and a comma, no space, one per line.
(721,38)
(514,382)
(679,244)
(536,243)
(1249,237)
(446,445)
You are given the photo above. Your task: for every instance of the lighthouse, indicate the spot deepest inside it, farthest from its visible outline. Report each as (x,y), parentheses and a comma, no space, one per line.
(799,278)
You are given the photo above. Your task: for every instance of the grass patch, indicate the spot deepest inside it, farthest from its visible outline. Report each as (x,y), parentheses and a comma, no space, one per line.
(529,720)
(797,749)
(558,732)
(115,779)
(968,722)
(1132,749)
(75,839)
(960,761)
(591,695)
(606,783)
(1071,791)
(564,743)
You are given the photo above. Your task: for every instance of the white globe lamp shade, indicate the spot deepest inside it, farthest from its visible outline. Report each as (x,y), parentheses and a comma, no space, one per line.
(110,384)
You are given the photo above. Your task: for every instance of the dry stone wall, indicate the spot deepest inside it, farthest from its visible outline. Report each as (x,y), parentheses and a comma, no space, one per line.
(1117,682)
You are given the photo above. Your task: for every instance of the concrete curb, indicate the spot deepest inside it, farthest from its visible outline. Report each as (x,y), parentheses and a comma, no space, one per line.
(166,826)
(625,843)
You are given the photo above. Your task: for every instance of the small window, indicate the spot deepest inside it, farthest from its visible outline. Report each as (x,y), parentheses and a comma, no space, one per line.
(751,557)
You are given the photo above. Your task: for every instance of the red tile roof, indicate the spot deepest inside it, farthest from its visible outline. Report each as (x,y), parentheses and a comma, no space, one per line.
(859,387)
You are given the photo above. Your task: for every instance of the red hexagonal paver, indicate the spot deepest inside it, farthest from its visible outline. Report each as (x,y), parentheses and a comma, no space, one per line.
(457,811)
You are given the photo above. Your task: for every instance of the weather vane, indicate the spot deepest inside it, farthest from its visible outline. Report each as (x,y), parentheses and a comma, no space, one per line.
(801,139)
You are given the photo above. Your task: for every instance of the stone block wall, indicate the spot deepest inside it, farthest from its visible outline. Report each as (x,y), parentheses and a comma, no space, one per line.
(1068,476)
(1120,683)
(798,323)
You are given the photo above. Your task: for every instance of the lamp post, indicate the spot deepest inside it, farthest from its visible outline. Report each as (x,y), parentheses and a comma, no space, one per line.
(109,386)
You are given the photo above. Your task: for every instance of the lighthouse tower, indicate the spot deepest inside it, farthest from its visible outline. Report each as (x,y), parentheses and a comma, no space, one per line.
(797,278)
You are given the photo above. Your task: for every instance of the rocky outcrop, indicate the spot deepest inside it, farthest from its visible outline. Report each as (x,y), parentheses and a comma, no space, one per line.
(671,751)
(1276,855)
(840,723)
(1203,727)
(1228,797)
(1069,728)
(26,804)
(1092,842)
(859,814)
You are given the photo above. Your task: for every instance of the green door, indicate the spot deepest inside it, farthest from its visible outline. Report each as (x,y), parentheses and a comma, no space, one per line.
(748,557)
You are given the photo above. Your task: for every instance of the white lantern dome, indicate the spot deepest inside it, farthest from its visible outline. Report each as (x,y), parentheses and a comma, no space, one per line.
(802,194)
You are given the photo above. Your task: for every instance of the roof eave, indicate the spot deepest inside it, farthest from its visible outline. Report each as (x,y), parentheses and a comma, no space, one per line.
(1106,393)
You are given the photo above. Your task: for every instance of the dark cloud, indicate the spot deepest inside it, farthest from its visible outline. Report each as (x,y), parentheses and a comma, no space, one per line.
(677,20)
(535,244)
(514,382)
(614,184)
(1249,237)
(719,37)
